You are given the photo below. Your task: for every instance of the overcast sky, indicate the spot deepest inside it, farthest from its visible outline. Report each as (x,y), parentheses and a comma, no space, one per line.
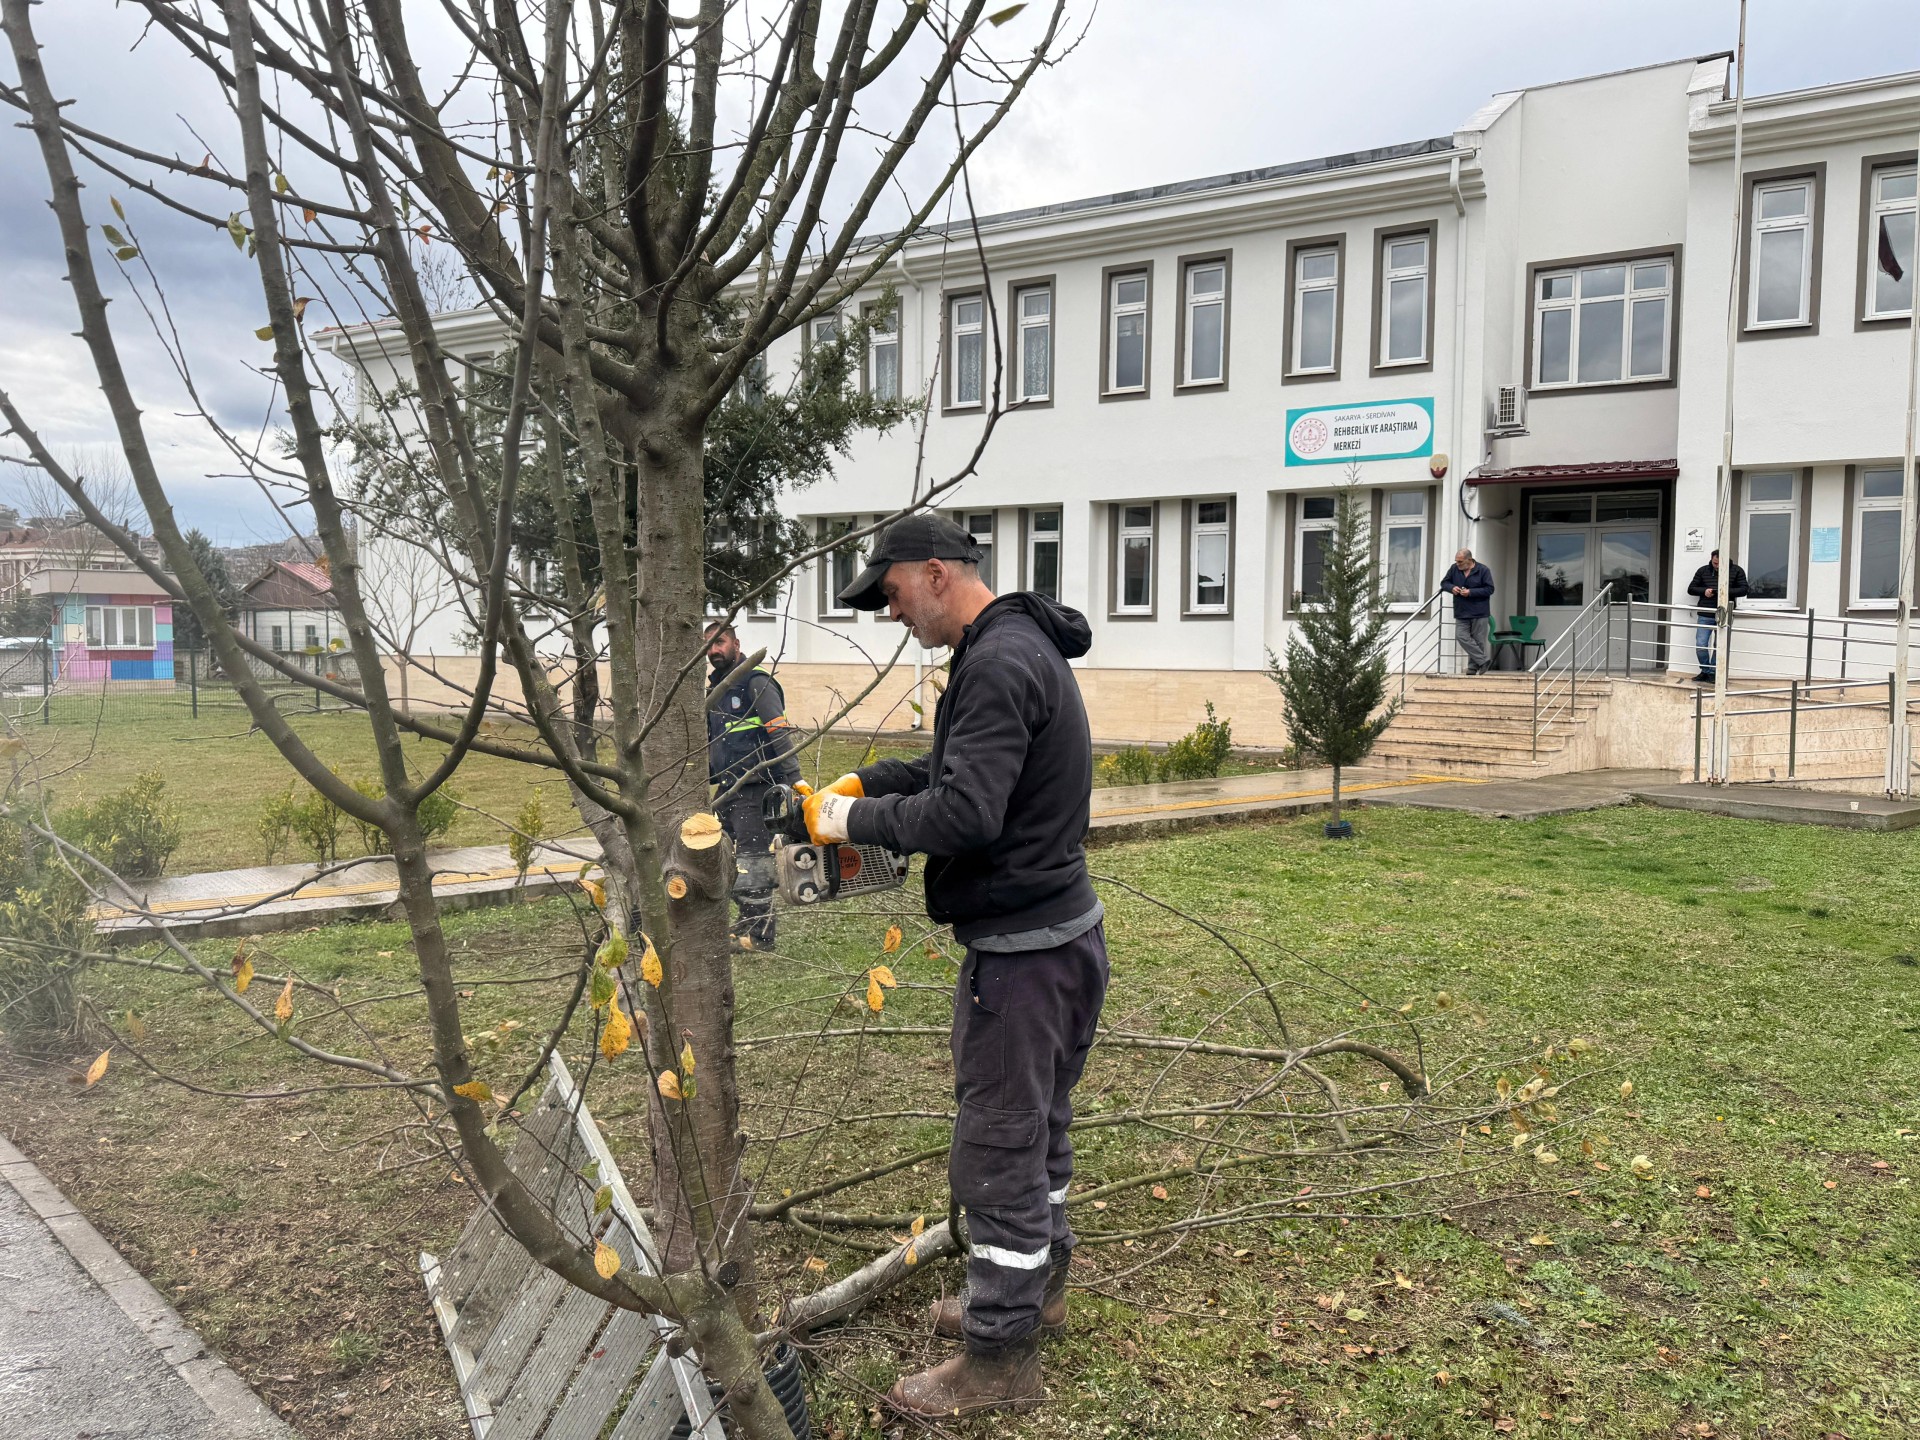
(1160,90)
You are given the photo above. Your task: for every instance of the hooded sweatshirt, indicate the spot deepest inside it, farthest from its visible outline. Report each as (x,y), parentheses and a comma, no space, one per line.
(999,805)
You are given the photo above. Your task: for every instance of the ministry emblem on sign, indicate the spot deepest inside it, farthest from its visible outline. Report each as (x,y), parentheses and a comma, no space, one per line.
(1309,435)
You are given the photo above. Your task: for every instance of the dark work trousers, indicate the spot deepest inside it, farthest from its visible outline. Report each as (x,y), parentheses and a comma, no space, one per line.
(1022,1023)
(754,880)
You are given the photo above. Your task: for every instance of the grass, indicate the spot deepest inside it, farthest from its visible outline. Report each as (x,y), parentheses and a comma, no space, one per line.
(1755,984)
(219,772)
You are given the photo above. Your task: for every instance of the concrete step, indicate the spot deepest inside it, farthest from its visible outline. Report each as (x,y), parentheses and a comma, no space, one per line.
(1503,685)
(1489,710)
(1485,731)
(1424,751)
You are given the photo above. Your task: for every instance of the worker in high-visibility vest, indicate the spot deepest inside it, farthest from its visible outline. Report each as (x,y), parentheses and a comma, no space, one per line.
(749,741)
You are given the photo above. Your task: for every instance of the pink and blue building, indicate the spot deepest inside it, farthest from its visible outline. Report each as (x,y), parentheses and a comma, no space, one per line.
(110,627)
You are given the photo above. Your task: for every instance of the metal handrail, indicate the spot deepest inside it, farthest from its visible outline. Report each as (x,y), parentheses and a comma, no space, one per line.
(1797,693)
(1418,652)
(1802,640)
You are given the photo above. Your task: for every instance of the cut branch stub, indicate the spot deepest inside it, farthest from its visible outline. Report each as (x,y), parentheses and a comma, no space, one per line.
(701,861)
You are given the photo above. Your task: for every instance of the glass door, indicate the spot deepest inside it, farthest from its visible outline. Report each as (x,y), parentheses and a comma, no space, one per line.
(1562,559)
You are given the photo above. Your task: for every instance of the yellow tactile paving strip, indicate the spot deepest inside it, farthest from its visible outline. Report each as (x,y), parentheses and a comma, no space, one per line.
(1216,802)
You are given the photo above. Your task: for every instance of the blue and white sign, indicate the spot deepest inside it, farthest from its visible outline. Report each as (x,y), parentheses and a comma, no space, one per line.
(1344,434)
(1824,548)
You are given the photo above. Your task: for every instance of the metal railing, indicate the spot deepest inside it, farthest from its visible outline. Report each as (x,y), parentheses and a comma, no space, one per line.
(1809,709)
(1583,648)
(1418,644)
(1762,644)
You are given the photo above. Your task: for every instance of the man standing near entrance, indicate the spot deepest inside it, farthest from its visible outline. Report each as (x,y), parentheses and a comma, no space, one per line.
(1706,587)
(1471,585)
(999,807)
(749,747)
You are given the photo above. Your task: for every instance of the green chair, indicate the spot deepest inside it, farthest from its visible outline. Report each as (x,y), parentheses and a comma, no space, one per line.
(1515,638)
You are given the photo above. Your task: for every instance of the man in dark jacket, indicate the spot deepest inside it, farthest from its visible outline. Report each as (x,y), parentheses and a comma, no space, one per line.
(1706,586)
(1471,585)
(749,747)
(999,806)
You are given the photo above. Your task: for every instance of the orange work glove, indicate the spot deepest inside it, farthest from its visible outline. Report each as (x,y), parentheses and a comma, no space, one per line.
(826,810)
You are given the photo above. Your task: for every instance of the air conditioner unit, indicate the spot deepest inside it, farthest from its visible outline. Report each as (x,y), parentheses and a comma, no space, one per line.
(1508,412)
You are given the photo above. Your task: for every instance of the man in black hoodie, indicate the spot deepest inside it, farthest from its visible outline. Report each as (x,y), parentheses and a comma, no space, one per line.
(1705,587)
(999,807)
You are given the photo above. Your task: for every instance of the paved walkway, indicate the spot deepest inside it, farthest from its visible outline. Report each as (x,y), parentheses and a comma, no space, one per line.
(277,897)
(1794,807)
(88,1348)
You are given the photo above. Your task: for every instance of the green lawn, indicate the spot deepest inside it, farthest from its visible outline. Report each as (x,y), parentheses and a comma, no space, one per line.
(1756,985)
(220,772)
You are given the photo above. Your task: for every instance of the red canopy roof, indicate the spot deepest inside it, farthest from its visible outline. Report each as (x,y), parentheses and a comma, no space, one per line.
(1592,472)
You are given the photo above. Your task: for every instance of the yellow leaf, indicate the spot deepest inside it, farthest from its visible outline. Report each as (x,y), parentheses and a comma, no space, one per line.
(669,1084)
(1626,1089)
(612,953)
(280,184)
(1545,1156)
(618,1033)
(650,970)
(605,1261)
(1503,1087)
(1579,1045)
(816,1265)
(892,942)
(300,306)
(912,1257)
(1540,1239)
(1402,1281)
(477,1091)
(919,1224)
(136,1027)
(884,974)
(11,745)
(265,332)
(1641,1166)
(98,1068)
(1444,1000)
(307,213)
(283,1007)
(242,971)
(686,1058)
(876,997)
(596,892)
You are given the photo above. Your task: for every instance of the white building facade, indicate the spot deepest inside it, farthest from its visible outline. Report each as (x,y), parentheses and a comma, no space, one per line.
(1513,337)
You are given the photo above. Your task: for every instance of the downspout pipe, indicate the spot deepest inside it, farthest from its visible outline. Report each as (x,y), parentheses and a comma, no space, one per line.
(1460,412)
(918,715)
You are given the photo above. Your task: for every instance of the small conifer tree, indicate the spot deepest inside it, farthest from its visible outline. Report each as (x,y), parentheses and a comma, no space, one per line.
(1334,680)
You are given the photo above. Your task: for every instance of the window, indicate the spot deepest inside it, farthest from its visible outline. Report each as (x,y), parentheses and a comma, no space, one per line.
(1203,326)
(838,567)
(278,635)
(883,356)
(1404,547)
(1404,298)
(1876,538)
(1133,559)
(1603,324)
(1780,273)
(823,330)
(1126,337)
(1770,539)
(966,350)
(1889,262)
(979,524)
(1209,557)
(1033,347)
(119,627)
(1316,310)
(313,637)
(1043,553)
(1315,532)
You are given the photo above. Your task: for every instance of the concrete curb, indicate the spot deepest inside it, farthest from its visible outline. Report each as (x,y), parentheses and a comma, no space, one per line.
(235,1409)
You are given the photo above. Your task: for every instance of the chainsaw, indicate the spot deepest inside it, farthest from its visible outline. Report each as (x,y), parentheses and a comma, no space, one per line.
(807,873)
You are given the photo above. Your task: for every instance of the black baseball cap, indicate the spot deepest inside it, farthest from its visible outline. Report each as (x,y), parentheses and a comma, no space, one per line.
(913,537)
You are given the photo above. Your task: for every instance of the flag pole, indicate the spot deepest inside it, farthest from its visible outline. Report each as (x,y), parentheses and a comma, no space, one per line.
(1719,765)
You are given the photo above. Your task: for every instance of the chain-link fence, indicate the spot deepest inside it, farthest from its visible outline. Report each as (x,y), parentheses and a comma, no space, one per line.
(34,691)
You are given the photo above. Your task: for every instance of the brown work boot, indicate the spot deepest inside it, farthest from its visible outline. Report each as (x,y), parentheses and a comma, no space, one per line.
(970,1384)
(948,1314)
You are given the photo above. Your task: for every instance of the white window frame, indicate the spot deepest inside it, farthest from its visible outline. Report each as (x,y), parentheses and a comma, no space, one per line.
(277,636)
(883,334)
(981,525)
(1863,505)
(1116,311)
(957,333)
(1389,275)
(138,618)
(1423,565)
(1302,527)
(1223,527)
(823,329)
(1632,295)
(1036,537)
(1024,326)
(830,527)
(1802,222)
(1878,211)
(1192,303)
(1123,534)
(1790,507)
(1302,287)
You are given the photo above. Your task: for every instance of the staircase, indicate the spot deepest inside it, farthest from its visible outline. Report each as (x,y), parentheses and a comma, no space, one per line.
(1484,725)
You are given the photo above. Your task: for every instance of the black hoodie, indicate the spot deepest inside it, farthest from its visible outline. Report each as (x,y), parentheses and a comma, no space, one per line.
(999,805)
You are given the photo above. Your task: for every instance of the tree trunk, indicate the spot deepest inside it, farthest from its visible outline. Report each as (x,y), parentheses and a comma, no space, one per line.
(1336,794)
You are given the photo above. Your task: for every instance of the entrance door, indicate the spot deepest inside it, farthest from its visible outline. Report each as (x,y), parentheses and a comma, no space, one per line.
(1584,544)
